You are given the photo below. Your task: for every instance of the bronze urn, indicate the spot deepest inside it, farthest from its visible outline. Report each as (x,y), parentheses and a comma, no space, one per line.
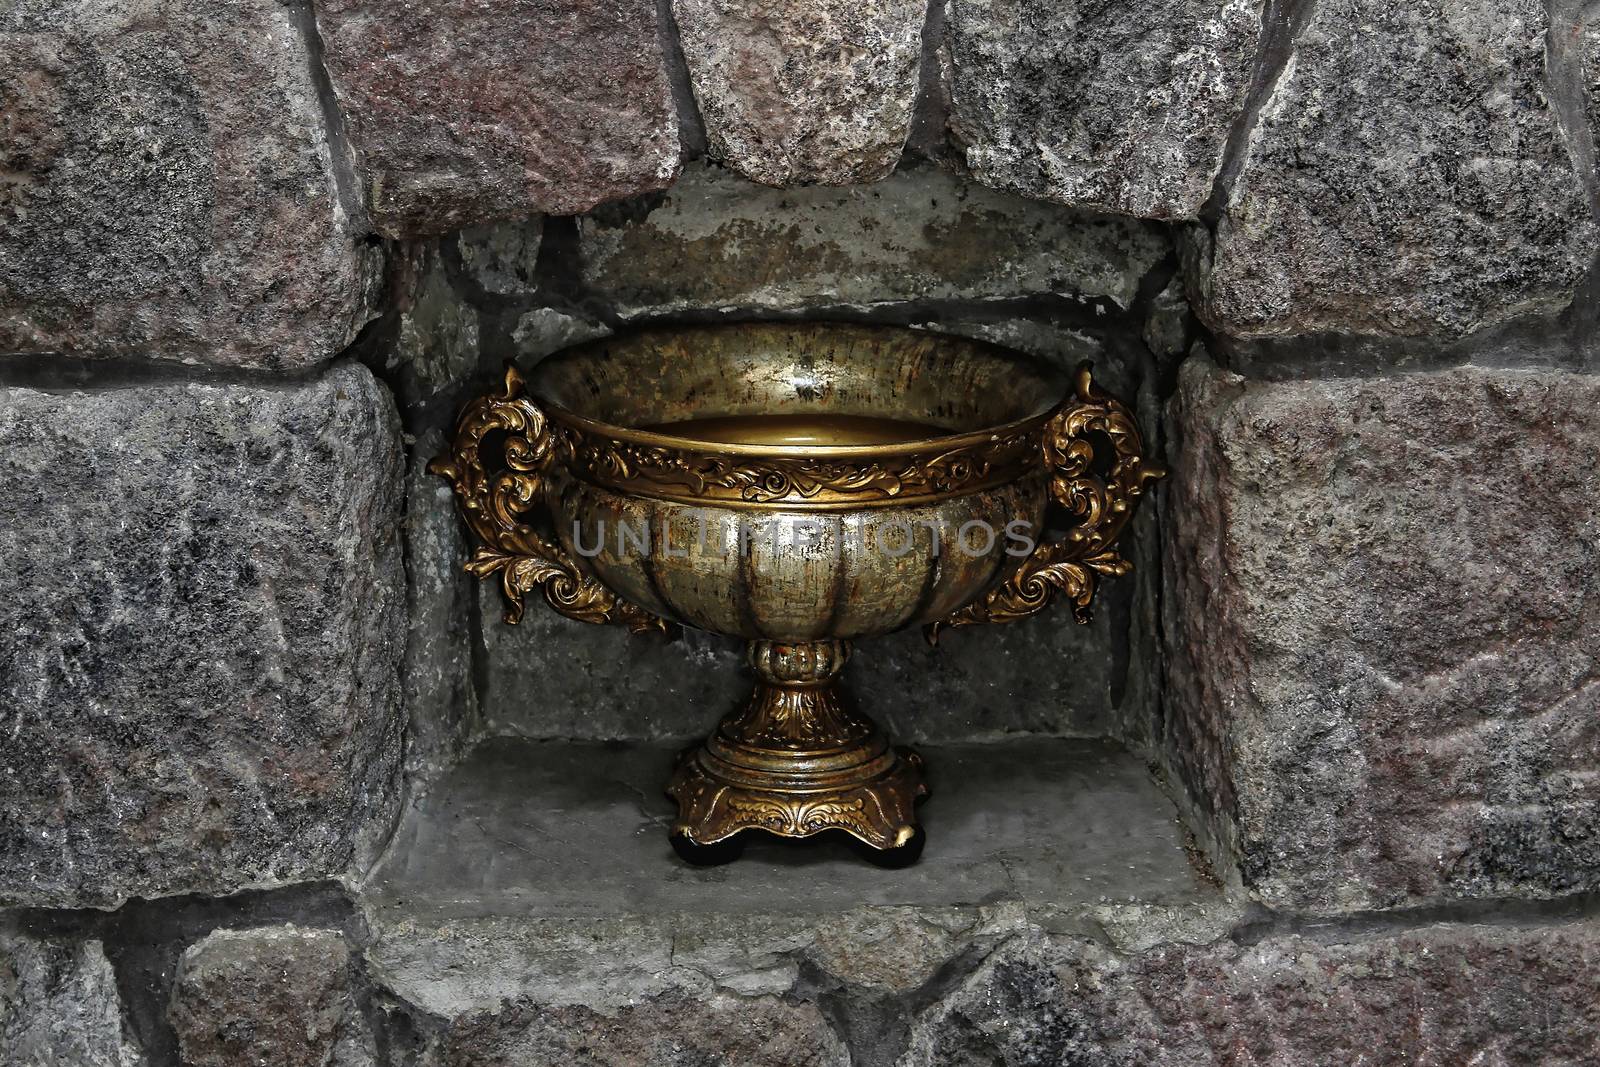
(801,487)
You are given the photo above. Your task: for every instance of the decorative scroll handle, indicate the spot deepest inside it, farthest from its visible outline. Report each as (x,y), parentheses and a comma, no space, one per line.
(495,503)
(1071,565)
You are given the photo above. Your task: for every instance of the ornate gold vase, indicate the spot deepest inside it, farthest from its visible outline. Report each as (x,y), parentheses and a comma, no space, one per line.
(799,486)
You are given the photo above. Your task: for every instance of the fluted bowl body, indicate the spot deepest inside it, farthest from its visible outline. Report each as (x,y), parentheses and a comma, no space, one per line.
(793,482)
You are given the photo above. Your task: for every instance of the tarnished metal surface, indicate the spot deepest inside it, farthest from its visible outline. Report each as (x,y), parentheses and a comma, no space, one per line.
(918,497)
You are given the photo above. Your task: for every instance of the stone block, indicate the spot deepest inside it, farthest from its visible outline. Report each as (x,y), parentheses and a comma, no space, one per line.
(171,190)
(1123,108)
(524,832)
(550,677)
(59,1005)
(1407,177)
(1383,633)
(277,994)
(1591,74)
(436,351)
(808,91)
(716,241)
(531,899)
(441,695)
(669,1031)
(203,605)
(1061,344)
(1434,994)
(1168,327)
(542,331)
(502,260)
(463,112)
(439,340)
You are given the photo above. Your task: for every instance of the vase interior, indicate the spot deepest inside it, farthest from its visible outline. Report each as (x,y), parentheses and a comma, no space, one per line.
(796,385)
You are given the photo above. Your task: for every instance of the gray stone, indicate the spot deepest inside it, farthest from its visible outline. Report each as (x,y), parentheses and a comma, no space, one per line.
(1137,926)
(437,351)
(203,610)
(899,950)
(1435,994)
(1406,177)
(1112,107)
(1591,78)
(1064,346)
(170,189)
(59,1006)
(464,112)
(1167,328)
(274,994)
(1383,634)
(440,695)
(550,677)
(536,880)
(454,966)
(438,345)
(451,962)
(1036,1000)
(718,1031)
(1045,675)
(1573,83)
(502,259)
(542,331)
(717,241)
(555,831)
(804,91)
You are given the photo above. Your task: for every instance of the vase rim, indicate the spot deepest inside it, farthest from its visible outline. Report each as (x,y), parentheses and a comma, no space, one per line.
(1053,388)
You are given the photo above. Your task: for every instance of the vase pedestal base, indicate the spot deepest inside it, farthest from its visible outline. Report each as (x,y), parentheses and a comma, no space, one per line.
(797,760)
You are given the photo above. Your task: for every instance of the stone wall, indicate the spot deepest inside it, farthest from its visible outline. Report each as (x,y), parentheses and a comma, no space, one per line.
(1343,256)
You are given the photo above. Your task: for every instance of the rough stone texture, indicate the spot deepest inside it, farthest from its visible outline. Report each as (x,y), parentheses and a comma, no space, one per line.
(435,354)
(1383,631)
(717,241)
(1065,345)
(530,831)
(437,348)
(59,1006)
(203,606)
(1406,177)
(719,1031)
(456,966)
(1572,81)
(501,260)
(1045,675)
(1588,156)
(1167,328)
(536,882)
(440,693)
(1590,69)
(799,91)
(463,112)
(550,677)
(1113,107)
(1437,994)
(542,331)
(168,189)
(275,995)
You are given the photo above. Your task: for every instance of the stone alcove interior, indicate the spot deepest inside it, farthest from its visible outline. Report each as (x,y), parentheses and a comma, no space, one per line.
(539,750)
